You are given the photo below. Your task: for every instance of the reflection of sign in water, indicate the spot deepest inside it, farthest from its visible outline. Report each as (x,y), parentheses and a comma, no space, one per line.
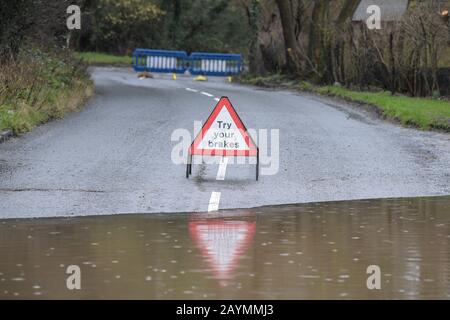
(222,242)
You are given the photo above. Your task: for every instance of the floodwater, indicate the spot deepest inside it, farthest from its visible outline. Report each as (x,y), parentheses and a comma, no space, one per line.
(309,251)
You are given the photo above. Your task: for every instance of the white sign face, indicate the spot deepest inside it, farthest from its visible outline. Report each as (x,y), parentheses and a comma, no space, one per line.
(223,134)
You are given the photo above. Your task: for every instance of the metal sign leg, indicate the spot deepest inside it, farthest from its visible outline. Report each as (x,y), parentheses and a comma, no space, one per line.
(187,170)
(189,166)
(257,165)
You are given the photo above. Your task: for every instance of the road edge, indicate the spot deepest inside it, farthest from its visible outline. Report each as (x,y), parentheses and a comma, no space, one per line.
(5,134)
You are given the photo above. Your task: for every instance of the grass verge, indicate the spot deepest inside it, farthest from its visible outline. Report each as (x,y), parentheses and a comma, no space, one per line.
(96,58)
(423,113)
(40,86)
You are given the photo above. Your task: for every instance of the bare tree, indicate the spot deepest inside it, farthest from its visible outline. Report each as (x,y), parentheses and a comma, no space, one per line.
(290,33)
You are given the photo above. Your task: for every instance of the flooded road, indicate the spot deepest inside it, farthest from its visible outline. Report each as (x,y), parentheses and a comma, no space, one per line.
(103,159)
(308,251)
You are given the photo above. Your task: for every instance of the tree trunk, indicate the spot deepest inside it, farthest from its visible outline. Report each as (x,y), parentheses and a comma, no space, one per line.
(290,41)
(315,46)
(174,27)
(347,11)
(256,63)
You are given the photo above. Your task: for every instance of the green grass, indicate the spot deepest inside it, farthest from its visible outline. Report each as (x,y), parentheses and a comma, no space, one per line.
(265,81)
(420,112)
(96,58)
(40,86)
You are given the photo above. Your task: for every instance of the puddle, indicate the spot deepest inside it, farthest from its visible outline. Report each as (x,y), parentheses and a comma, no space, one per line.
(310,251)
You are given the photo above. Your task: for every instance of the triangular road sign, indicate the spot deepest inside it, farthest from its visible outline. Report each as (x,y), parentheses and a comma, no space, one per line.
(223,134)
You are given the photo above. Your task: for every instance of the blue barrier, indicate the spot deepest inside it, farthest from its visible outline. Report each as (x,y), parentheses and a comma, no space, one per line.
(215,64)
(159,61)
(198,63)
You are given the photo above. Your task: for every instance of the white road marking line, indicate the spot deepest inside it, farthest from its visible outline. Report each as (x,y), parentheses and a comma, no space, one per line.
(217,99)
(206,94)
(191,90)
(214,201)
(215,196)
(222,169)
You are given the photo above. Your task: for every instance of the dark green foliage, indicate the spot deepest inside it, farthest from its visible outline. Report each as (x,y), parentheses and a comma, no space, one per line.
(32,22)
(199,25)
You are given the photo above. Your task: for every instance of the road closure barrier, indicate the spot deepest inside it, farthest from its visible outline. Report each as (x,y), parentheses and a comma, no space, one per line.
(215,64)
(197,63)
(159,61)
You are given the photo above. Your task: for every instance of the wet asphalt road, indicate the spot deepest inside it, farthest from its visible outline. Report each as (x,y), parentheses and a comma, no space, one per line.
(115,155)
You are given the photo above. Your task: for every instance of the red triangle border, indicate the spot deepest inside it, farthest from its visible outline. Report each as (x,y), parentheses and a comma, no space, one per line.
(224,102)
